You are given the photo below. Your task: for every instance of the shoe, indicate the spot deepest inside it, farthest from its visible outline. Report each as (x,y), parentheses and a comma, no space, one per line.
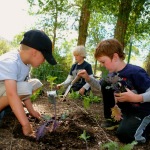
(110,124)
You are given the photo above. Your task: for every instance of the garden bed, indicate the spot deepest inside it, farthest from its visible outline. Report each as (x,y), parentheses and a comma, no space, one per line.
(67,134)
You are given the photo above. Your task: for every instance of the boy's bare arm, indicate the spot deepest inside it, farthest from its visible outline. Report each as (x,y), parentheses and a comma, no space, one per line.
(16,105)
(31,110)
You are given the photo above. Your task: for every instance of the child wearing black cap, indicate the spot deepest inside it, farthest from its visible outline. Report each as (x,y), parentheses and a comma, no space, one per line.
(15,85)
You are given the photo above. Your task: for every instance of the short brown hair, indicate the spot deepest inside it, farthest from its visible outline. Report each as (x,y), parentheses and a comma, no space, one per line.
(108,48)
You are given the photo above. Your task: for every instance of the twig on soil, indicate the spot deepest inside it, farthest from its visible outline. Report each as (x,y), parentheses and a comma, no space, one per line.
(83,110)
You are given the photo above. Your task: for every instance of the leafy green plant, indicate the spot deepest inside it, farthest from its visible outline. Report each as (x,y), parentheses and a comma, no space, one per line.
(84,137)
(36,94)
(86,102)
(91,98)
(115,146)
(87,99)
(50,80)
(74,95)
(58,70)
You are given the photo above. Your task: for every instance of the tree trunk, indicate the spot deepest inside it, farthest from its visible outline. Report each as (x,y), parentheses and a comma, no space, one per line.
(122,22)
(84,21)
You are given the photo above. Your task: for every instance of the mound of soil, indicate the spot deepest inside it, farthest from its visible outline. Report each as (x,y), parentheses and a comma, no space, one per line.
(67,134)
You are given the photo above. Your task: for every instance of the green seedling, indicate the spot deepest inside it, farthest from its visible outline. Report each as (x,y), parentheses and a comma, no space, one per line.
(74,95)
(84,137)
(86,102)
(36,94)
(115,146)
(50,80)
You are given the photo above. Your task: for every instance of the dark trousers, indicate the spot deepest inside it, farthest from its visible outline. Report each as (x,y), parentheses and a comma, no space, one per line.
(77,88)
(108,99)
(132,118)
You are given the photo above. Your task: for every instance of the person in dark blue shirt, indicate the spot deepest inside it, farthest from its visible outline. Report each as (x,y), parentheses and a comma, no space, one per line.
(127,87)
(81,85)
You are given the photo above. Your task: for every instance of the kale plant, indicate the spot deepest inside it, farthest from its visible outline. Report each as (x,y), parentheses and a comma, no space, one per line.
(117,83)
(85,137)
(115,146)
(50,123)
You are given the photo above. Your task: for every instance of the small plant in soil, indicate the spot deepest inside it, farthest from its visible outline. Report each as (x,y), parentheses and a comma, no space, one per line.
(91,98)
(87,99)
(50,80)
(115,146)
(36,94)
(85,137)
(74,95)
(50,123)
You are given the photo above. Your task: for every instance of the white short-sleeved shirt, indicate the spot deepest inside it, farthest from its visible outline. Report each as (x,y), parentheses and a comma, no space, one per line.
(12,67)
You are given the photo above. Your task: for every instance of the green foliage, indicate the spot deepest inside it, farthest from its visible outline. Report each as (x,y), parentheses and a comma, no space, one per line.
(60,70)
(41,72)
(50,80)
(110,146)
(104,72)
(17,39)
(91,98)
(86,102)
(46,117)
(115,146)
(36,94)
(87,99)
(4,46)
(64,115)
(74,95)
(84,136)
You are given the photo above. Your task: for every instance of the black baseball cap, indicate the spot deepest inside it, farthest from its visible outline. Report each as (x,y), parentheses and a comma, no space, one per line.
(38,40)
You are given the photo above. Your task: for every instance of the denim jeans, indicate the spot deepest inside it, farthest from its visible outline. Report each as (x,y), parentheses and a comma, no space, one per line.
(139,132)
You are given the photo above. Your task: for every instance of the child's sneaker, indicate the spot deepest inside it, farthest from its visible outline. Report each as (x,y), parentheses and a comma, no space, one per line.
(110,124)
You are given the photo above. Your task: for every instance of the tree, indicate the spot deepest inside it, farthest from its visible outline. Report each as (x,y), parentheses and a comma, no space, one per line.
(50,12)
(123,18)
(84,21)
(91,18)
(17,39)
(130,11)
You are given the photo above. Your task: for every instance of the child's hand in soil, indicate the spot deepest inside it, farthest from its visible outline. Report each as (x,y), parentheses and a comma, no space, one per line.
(28,131)
(35,114)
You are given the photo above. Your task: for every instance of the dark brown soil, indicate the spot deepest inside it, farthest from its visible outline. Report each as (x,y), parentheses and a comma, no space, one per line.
(66,135)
